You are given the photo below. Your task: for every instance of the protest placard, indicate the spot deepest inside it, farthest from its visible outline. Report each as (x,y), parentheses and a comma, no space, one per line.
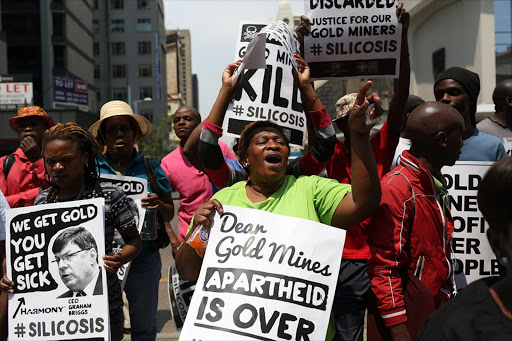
(180,295)
(353,39)
(507,143)
(269,93)
(262,278)
(54,257)
(474,258)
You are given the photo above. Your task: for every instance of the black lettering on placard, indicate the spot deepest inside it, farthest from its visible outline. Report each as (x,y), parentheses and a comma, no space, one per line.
(352,48)
(70,327)
(246,86)
(30,236)
(463,203)
(469,224)
(327,4)
(482,267)
(127,187)
(459,182)
(214,313)
(352,68)
(467,246)
(267,285)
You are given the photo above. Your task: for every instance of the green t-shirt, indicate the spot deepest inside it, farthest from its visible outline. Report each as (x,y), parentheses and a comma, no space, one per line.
(308,197)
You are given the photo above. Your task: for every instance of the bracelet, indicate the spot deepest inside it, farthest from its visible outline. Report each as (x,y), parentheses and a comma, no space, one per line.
(311,102)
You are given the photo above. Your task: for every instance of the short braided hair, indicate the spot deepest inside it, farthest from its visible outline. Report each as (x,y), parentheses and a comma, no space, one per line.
(87,144)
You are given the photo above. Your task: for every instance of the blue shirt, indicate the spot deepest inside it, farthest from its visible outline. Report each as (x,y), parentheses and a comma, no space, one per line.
(482,147)
(137,169)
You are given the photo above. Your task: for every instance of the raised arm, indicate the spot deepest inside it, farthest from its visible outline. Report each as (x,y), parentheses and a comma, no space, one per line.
(365,196)
(401,84)
(190,149)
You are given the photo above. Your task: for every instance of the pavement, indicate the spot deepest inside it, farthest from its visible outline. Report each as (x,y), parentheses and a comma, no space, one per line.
(164,322)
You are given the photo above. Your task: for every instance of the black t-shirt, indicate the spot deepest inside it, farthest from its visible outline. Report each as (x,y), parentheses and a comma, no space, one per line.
(472,315)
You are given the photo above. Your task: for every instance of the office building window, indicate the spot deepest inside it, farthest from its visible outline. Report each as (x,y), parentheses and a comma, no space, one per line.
(117,25)
(503,39)
(96,49)
(95,26)
(59,56)
(118,49)
(118,71)
(95,4)
(58,24)
(97,71)
(144,47)
(119,94)
(142,3)
(144,25)
(145,91)
(148,114)
(116,4)
(145,70)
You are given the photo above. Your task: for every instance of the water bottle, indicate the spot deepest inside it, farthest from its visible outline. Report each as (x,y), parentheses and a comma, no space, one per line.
(149,228)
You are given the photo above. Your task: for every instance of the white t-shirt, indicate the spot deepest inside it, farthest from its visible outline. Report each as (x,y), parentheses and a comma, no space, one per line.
(4,206)
(403,144)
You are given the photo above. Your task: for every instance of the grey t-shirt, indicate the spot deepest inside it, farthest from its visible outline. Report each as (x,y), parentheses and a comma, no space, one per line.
(491,127)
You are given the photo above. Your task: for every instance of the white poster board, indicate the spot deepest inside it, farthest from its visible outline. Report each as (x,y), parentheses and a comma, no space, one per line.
(507,143)
(269,93)
(474,258)
(135,189)
(48,303)
(265,276)
(353,39)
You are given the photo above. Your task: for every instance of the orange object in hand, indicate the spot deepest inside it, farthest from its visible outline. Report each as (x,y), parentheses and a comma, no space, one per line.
(199,239)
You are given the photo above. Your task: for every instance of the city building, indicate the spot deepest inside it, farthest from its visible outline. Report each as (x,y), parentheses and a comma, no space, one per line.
(129,55)
(46,60)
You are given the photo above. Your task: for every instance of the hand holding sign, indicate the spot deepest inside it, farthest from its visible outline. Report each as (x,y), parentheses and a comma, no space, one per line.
(6,284)
(230,76)
(402,16)
(357,120)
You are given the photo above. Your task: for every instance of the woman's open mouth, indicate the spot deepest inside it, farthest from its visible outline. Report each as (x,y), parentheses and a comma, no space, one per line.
(274,159)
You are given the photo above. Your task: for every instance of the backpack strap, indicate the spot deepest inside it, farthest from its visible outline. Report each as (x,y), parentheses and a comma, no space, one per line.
(8,162)
(151,175)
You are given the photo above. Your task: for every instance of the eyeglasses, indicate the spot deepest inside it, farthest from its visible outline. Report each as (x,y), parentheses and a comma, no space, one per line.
(122,129)
(67,257)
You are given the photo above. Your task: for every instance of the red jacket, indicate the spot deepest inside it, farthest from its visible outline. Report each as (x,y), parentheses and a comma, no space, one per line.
(409,231)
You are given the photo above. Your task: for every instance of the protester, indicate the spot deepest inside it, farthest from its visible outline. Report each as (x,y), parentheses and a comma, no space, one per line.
(313,162)
(192,184)
(404,143)
(409,234)
(500,123)
(118,128)
(70,157)
(22,172)
(263,151)
(459,88)
(483,310)
(4,206)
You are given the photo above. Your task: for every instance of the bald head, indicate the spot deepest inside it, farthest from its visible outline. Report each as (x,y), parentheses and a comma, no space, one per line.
(435,130)
(501,92)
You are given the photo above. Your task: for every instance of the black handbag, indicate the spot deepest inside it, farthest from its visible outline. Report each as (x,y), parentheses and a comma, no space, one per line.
(162,239)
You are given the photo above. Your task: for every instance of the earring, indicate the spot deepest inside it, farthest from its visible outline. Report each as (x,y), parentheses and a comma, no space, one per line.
(503,261)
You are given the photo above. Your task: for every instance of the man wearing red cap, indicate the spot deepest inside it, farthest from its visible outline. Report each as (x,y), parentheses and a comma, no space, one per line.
(22,172)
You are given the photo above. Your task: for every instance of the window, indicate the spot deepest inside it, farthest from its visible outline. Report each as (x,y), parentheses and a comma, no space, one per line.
(95,26)
(116,4)
(145,91)
(59,56)
(503,39)
(119,94)
(144,47)
(145,70)
(58,24)
(118,71)
(147,114)
(96,71)
(96,49)
(144,25)
(95,4)
(118,49)
(142,4)
(117,25)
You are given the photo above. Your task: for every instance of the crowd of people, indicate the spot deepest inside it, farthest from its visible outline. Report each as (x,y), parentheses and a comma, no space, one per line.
(386,189)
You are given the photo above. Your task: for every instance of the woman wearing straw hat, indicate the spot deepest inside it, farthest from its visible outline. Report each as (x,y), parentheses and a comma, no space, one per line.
(119,128)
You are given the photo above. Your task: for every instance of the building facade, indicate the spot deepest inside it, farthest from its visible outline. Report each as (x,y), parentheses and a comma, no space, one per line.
(129,55)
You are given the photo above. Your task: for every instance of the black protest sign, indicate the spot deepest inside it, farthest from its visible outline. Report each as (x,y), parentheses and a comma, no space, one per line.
(260,279)
(353,39)
(180,295)
(54,258)
(473,256)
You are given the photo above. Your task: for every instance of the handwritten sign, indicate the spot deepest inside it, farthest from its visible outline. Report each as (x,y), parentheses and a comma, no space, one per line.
(353,39)
(262,278)
(268,93)
(474,258)
(54,257)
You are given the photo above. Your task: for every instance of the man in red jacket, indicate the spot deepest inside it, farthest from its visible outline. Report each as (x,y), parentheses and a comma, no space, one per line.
(409,235)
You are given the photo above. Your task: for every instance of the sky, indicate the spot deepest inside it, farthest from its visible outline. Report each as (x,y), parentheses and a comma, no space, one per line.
(213,27)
